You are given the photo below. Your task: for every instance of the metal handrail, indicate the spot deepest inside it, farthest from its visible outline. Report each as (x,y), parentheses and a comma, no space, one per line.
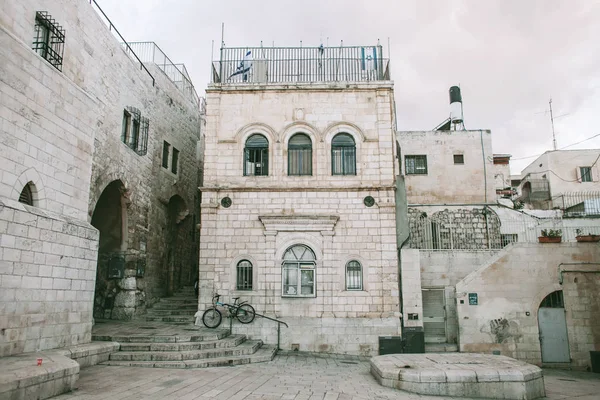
(111,26)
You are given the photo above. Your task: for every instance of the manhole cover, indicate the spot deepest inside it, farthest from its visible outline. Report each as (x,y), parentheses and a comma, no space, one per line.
(147,327)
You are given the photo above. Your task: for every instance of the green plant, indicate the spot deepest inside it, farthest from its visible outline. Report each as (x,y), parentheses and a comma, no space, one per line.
(552,233)
(579,232)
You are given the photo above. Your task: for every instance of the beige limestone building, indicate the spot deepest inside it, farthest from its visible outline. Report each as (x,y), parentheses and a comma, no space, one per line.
(98,175)
(298,206)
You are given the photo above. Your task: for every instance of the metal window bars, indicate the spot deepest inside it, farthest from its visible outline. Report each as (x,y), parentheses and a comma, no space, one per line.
(49,39)
(353,275)
(244,275)
(300,64)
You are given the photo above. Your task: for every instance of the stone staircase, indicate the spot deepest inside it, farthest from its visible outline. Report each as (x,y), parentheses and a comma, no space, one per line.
(178,309)
(168,338)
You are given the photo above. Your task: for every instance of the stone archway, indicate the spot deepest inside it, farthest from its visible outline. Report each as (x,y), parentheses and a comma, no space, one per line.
(178,256)
(110,218)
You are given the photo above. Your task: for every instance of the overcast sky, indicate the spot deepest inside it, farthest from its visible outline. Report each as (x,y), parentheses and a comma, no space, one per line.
(509,56)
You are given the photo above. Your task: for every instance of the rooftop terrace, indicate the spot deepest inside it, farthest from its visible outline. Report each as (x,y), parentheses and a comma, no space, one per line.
(263,65)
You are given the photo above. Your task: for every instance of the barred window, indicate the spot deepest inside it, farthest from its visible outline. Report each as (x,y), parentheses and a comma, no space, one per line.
(298,272)
(49,39)
(244,275)
(300,155)
(415,165)
(354,276)
(343,155)
(134,131)
(508,238)
(256,156)
(175,161)
(165,154)
(554,300)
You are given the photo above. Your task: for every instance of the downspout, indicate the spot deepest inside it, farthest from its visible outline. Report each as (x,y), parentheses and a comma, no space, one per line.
(487,228)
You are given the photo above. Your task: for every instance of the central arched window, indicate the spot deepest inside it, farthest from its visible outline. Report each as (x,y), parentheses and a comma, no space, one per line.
(298,272)
(300,155)
(354,279)
(343,155)
(244,275)
(256,156)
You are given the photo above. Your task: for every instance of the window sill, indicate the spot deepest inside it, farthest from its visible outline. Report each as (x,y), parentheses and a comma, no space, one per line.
(312,296)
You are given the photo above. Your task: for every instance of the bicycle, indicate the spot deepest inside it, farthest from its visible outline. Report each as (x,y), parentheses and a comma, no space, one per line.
(244,312)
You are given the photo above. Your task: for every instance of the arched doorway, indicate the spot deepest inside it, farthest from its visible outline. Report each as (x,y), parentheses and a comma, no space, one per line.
(552,324)
(178,256)
(109,218)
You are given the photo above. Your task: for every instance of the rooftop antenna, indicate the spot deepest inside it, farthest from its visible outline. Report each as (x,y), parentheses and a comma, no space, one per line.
(552,118)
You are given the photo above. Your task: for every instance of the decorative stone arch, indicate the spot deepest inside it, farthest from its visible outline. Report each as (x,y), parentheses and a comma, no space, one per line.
(344,127)
(102,183)
(300,127)
(32,178)
(305,238)
(256,127)
(233,273)
(364,269)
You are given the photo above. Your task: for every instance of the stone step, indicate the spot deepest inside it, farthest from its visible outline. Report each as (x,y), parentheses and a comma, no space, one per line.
(170,306)
(441,348)
(179,300)
(164,312)
(165,318)
(263,354)
(246,348)
(230,341)
(197,336)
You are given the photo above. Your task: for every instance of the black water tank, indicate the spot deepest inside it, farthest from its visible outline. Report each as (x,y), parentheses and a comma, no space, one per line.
(455,95)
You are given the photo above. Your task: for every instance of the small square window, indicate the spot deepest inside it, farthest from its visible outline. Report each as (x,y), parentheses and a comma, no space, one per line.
(49,39)
(415,165)
(459,159)
(586,174)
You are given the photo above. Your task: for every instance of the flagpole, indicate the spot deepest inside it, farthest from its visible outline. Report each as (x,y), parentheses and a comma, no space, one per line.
(221,50)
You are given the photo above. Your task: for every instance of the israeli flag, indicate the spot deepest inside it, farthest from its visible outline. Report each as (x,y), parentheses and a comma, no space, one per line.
(369,58)
(244,66)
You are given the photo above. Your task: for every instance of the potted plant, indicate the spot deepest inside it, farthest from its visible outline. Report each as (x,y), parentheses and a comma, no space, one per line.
(590,237)
(551,236)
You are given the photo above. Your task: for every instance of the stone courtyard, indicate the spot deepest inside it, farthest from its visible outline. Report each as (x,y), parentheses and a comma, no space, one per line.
(288,376)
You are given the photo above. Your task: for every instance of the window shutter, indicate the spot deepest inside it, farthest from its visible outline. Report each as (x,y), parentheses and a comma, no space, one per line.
(578,174)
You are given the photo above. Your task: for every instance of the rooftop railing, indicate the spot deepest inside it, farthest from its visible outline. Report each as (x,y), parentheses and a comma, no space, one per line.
(149,52)
(300,64)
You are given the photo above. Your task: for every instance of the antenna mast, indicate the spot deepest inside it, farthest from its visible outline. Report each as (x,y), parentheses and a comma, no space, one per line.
(552,121)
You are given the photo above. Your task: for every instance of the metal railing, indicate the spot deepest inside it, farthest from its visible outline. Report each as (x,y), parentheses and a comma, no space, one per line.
(300,64)
(578,204)
(126,47)
(491,232)
(177,73)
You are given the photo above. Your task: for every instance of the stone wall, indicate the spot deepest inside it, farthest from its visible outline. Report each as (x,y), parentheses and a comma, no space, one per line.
(510,288)
(446,182)
(47,274)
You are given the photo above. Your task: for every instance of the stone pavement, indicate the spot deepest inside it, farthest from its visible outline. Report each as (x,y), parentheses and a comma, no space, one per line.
(298,377)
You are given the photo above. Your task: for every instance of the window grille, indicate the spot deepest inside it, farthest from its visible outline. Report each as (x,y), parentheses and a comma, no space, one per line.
(554,300)
(142,147)
(49,39)
(244,275)
(165,155)
(459,159)
(300,155)
(298,272)
(416,165)
(26,196)
(256,156)
(175,161)
(135,130)
(586,174)
(343,155)
(508,238)
(354,276)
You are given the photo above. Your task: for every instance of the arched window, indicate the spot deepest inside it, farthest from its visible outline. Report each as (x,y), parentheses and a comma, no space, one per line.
(244,275)
(300,155)
(553,300)
(343,155)
(26,196)
(354,279)
(298,272)
(256,156)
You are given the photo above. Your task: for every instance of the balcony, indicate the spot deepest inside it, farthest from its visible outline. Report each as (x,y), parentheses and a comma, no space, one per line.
(284,65)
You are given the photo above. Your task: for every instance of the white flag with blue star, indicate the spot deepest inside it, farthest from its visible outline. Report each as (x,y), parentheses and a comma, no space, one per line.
(369,58)
(244,66)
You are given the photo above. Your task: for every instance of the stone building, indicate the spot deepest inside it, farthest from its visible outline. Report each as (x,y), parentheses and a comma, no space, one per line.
(98,176)
(298,206)
(473,276)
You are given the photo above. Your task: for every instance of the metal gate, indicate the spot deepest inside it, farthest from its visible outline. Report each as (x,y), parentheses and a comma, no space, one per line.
(552,322)
(434,315)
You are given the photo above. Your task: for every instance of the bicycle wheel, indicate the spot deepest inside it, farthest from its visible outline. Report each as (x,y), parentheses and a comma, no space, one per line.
(245,313)
(211,318)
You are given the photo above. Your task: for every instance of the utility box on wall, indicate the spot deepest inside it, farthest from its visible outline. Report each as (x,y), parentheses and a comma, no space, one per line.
(390,345)
(414,340)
